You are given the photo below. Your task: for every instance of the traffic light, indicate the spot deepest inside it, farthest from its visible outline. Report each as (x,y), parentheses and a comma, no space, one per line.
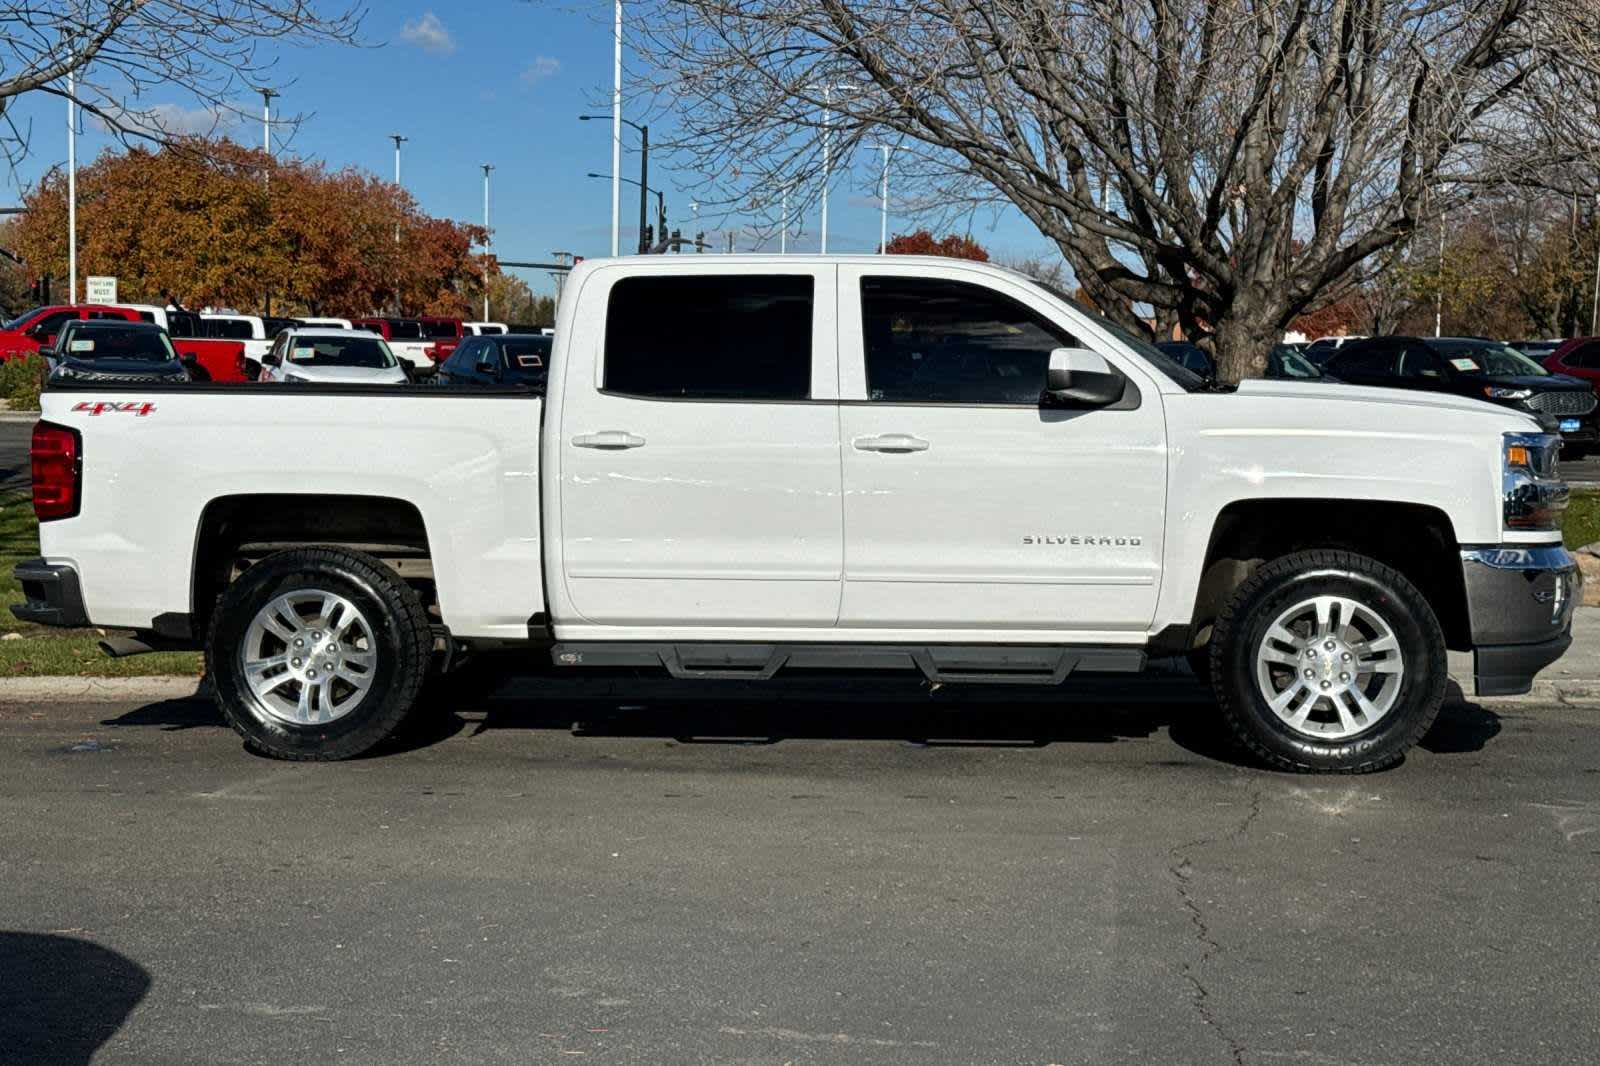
(649,236)
(700,241)
(39,291)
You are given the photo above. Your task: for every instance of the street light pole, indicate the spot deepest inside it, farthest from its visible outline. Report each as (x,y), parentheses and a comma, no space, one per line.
(488,243)
(616,136)
(266,118)
(827,160)
(398,141)
(644,185)
(883,199)
(72,192)
(783,237)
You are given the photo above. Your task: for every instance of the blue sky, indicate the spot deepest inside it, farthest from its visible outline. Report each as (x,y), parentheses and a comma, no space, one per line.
(489,81)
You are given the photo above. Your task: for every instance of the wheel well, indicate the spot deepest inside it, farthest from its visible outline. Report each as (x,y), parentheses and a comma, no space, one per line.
(1416,540)
(237,531)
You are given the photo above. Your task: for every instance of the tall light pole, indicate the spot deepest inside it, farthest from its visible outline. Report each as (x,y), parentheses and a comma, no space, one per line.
(266,118)
(644,173)
(488,242)
(72,192)
(827,152)
(398,141)
(783,236)
(883,199)
(616,136)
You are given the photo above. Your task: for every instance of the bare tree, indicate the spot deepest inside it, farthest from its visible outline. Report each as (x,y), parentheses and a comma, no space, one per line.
(1221,164)
(209,52)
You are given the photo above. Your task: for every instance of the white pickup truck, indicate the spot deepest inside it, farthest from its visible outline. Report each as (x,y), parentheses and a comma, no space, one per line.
(752,466)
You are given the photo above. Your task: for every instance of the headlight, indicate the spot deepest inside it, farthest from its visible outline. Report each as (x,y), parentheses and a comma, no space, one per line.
(1500,392)
(1534,496)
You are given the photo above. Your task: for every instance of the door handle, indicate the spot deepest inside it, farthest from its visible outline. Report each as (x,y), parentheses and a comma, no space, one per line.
(610,439)
(891,442)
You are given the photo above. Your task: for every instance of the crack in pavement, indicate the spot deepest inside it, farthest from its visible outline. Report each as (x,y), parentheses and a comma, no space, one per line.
(1182,870)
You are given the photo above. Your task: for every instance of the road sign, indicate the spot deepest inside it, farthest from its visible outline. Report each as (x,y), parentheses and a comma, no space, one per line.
(100,290)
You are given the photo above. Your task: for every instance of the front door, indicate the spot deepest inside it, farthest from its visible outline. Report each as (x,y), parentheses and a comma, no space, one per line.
(968,505)
(699,451)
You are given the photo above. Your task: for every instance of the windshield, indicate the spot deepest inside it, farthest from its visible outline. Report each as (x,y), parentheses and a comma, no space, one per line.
(357,351)
(1163,364)
(1288,363)
(21,320)
(1487,359)
(138,345)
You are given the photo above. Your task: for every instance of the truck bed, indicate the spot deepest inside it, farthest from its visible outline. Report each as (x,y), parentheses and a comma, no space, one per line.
(466,459)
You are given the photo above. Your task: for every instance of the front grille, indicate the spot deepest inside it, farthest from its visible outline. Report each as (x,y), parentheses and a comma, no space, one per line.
(1562,403)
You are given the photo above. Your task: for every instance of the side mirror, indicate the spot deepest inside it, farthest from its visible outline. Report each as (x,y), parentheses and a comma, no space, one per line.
(47,353)
(271,359)
(1082,378)
(489,365)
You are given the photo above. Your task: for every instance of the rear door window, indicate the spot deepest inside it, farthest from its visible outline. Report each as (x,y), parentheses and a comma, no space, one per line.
(734,337)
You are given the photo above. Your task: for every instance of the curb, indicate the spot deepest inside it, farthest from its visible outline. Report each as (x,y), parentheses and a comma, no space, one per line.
(100,689)
(19,417)
(1572,692)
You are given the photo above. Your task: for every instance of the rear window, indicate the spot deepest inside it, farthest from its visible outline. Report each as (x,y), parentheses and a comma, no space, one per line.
(736,337)
(182,324)
(229,329)
(439,329)
(405,329)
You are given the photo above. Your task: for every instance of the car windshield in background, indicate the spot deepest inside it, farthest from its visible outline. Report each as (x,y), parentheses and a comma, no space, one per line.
(21,320)
(139,345)
(405,329)
(1285,362)
(1487,359)
(368,352)
(434,330)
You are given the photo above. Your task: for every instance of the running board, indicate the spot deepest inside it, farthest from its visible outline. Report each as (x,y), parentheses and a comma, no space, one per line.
(988,664)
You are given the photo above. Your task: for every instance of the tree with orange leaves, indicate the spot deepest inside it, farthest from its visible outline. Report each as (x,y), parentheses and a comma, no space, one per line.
(214,223)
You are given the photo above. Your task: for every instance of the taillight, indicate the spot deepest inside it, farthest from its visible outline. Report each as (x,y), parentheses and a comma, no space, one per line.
(56,454)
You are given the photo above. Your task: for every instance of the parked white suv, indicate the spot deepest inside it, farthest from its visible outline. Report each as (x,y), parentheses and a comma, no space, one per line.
(752,465)
(331,356)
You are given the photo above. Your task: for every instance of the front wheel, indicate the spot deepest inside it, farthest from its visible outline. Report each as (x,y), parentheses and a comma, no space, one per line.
(318,653)
(1328,661)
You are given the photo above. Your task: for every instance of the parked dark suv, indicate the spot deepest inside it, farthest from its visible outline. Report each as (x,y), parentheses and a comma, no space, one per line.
(1484,369)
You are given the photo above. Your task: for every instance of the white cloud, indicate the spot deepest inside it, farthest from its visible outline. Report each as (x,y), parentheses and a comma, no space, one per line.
(541,68)
(428,34)
(173,120)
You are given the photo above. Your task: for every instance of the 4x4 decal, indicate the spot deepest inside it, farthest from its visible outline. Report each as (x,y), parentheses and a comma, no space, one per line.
(138,408)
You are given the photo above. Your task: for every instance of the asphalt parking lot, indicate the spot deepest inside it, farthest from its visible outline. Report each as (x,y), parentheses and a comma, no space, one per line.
(855,879)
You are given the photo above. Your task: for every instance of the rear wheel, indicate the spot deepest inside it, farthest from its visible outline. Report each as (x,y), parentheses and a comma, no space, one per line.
(318,653)
(1328,661)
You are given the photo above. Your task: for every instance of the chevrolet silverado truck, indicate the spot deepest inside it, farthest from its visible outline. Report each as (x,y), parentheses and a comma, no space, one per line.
(825,464)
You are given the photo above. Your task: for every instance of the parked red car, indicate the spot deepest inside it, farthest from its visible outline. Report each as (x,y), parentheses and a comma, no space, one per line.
(1578,357)
(32,330)
(444,337)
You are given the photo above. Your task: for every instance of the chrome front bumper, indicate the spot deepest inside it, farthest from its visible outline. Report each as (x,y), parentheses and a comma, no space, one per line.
(1519,605)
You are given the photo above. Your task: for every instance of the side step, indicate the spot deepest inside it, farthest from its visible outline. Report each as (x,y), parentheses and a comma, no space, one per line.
(989,664)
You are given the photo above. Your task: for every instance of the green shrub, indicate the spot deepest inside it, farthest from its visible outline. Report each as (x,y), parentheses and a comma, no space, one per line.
(20,380)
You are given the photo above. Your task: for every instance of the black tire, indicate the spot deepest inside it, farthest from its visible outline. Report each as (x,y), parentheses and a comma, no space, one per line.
(401,639)
(1276,587)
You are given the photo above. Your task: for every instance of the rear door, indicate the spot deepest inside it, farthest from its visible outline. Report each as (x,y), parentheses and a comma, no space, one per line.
(699,450)
(968,505)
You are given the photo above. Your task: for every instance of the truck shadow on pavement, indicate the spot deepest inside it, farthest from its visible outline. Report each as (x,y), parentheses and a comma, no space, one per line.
(61,998)
(737,713)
